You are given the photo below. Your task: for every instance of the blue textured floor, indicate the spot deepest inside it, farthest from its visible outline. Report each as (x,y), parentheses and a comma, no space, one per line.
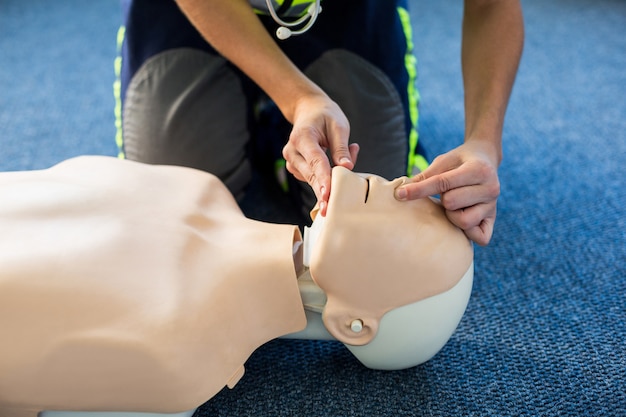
(544,333)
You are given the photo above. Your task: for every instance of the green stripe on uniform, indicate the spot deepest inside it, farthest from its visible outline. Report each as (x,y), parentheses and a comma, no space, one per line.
(295,9)
(410,62)
(117,93)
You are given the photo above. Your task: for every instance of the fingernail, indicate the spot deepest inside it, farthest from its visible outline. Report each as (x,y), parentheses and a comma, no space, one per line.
(345,160)
(401,193)
(323,190)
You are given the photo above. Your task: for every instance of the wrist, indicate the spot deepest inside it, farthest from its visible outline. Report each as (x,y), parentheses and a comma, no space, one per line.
(490,146)
(295,95)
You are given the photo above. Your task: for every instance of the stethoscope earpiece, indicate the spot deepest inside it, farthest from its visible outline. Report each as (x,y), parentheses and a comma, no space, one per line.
(283,33)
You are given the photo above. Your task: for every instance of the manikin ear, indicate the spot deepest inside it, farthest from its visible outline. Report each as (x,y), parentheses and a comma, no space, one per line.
(376,254)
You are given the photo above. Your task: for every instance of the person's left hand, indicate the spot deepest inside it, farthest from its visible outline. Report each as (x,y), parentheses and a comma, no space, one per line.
(467,180)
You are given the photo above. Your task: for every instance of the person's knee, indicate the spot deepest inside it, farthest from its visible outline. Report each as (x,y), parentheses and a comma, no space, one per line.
(186,107)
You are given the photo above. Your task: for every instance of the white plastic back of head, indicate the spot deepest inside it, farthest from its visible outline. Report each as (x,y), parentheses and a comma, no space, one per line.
(413,334)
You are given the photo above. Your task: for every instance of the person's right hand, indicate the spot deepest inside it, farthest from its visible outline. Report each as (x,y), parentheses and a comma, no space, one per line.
(319,125)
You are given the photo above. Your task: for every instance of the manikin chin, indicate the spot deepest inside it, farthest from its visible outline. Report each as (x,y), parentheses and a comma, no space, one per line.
(130,290)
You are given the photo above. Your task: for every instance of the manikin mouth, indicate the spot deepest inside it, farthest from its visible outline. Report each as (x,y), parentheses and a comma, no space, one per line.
(367,190)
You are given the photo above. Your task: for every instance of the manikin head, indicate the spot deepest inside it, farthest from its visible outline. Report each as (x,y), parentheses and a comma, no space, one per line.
(388,266)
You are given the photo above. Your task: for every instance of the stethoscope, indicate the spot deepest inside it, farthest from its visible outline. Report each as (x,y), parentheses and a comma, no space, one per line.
(285,30)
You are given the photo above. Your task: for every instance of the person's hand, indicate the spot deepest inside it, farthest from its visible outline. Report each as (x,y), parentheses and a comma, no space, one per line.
(319,126)
(467,180)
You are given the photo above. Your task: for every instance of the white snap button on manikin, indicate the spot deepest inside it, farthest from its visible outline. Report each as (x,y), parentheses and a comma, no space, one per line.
(356,326)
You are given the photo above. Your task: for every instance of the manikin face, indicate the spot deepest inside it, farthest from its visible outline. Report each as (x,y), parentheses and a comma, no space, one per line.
(375,254)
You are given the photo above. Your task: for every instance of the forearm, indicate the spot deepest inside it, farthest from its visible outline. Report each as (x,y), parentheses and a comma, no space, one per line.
(493,36)
(234,30)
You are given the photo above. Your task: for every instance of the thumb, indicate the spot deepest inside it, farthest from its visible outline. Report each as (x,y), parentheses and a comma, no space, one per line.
(345,156)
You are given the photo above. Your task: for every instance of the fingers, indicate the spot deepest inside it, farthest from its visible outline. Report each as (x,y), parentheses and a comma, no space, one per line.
(306,156)
(480,234)
(469,188)
(428,182)
(422,186)
(446,174)
(470,195)
(309,163)
(477,222)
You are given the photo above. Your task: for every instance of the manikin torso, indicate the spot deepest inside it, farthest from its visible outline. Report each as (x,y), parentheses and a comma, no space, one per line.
(123,286)
(143,289)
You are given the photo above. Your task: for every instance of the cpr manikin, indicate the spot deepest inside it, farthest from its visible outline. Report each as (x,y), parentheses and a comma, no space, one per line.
(136,290)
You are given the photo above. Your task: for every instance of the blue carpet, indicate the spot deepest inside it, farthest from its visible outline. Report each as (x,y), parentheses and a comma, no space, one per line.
(544,333)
